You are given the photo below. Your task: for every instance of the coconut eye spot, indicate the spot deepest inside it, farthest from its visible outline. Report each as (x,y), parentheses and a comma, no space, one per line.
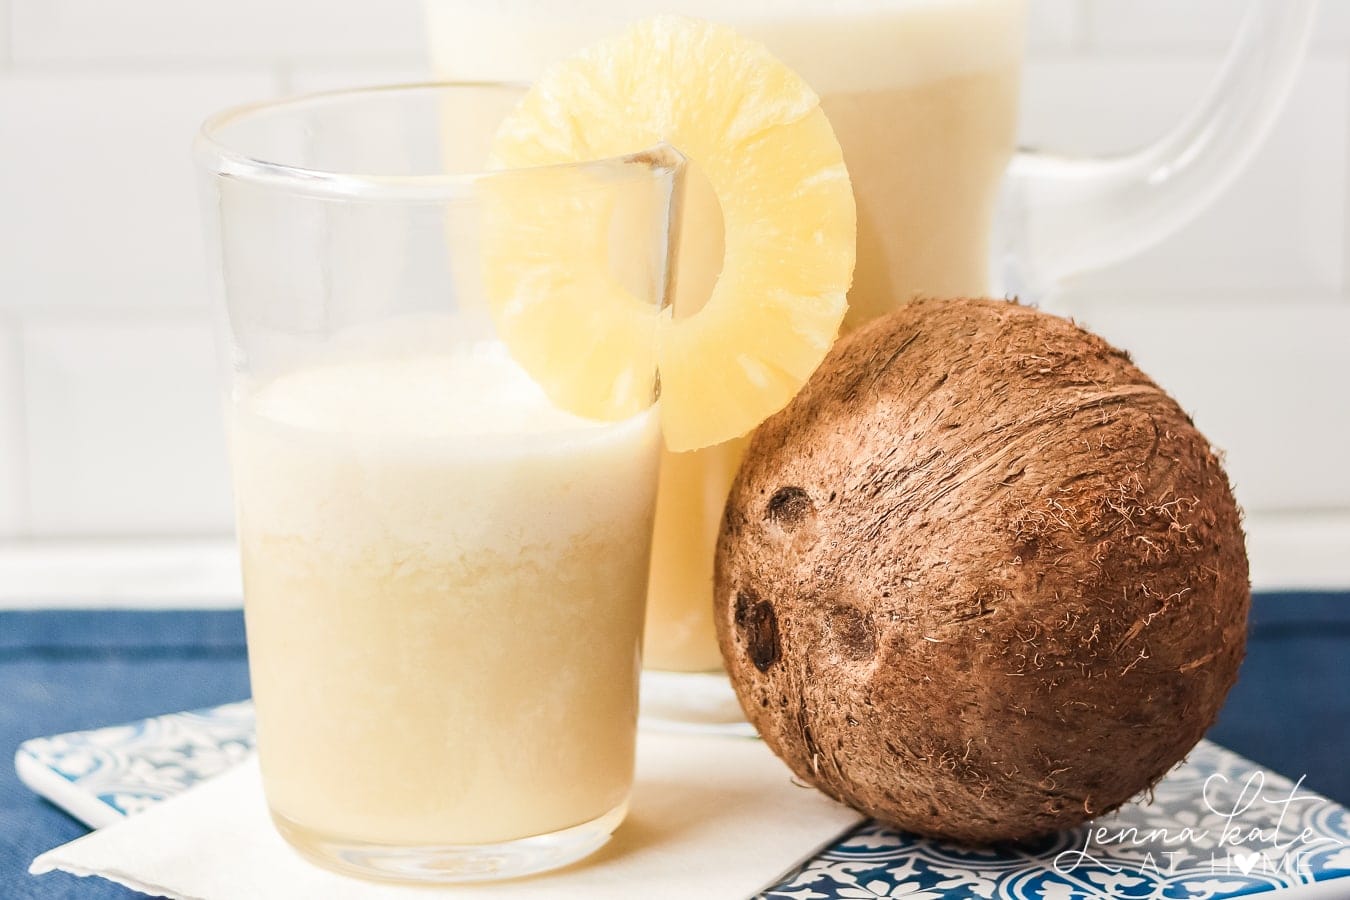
(790,508)
(757,626)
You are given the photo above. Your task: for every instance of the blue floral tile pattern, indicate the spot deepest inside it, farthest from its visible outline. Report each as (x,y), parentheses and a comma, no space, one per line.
(1217,827)
(131,767)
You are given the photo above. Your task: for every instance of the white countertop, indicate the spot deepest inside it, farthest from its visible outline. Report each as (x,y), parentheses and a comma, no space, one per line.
(1288,552)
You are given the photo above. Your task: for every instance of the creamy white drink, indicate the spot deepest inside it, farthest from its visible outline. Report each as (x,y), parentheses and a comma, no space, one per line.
(444,579)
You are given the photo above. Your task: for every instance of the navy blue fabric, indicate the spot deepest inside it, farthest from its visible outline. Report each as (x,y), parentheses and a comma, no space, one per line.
(67,670)
(70,670)
(1290,708)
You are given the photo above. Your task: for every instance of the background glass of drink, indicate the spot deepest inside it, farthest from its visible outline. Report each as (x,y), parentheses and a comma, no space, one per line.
(444,572)
(923,96)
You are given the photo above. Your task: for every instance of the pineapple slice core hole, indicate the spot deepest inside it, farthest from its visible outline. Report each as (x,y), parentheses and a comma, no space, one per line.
(701,247)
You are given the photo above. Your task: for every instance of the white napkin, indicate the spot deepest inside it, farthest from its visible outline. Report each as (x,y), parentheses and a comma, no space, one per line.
(712,817)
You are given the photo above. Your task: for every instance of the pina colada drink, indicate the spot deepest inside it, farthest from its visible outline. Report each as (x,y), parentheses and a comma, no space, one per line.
(922,96)
(923,100)
(444,597)
(693,491)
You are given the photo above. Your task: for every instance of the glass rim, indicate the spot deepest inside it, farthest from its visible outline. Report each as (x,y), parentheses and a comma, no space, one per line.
(216,157)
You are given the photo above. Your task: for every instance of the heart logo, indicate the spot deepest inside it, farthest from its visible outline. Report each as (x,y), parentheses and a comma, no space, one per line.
(1246,861)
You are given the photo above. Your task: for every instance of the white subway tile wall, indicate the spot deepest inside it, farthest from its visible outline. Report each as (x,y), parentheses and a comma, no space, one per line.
(310,77)
(125,432)
(4,33)
(1162,25)
(13,471)
(57,32)
(1055,24)
(1279,228)
(109,420)
(1168,26)
(100,207)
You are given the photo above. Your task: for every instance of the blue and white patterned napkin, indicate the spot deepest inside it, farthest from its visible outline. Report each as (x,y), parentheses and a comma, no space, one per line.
(1217,827)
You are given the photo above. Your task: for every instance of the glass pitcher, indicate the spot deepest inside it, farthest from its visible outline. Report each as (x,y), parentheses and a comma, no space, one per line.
(923,97)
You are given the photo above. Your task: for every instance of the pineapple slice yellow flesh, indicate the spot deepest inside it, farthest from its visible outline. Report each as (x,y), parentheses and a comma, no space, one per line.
(586,339)
(756,132)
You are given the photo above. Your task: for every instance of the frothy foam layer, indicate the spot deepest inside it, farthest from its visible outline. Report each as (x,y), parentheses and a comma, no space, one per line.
(836,45)
(400,452)
(476,391)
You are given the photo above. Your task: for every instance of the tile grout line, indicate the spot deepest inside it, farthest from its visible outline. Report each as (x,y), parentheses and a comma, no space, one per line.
(1345,187)
(115,315)
(1079,29)
(151,64)
(7,35)
(16,426)
(24,488)
(1083,42)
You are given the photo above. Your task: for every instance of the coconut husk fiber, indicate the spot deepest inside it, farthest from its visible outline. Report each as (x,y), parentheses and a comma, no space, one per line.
(982,579)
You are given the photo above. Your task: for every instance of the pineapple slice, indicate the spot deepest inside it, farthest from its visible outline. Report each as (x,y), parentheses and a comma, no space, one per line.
(756,132)
(565,314)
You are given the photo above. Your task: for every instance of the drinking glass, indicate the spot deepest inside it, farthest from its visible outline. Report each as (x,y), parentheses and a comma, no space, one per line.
(923,97)
(444,565)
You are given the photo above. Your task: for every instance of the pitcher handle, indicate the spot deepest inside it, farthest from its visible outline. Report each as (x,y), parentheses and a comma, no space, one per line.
(1060,216)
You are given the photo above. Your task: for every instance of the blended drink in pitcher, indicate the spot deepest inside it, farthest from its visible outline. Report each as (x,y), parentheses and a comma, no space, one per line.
(444,578)
(922,95)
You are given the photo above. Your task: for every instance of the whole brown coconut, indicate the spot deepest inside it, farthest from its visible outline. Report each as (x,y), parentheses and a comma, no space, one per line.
(982,579)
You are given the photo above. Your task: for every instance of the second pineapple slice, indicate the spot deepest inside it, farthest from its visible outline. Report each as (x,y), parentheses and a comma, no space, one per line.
(756,132)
